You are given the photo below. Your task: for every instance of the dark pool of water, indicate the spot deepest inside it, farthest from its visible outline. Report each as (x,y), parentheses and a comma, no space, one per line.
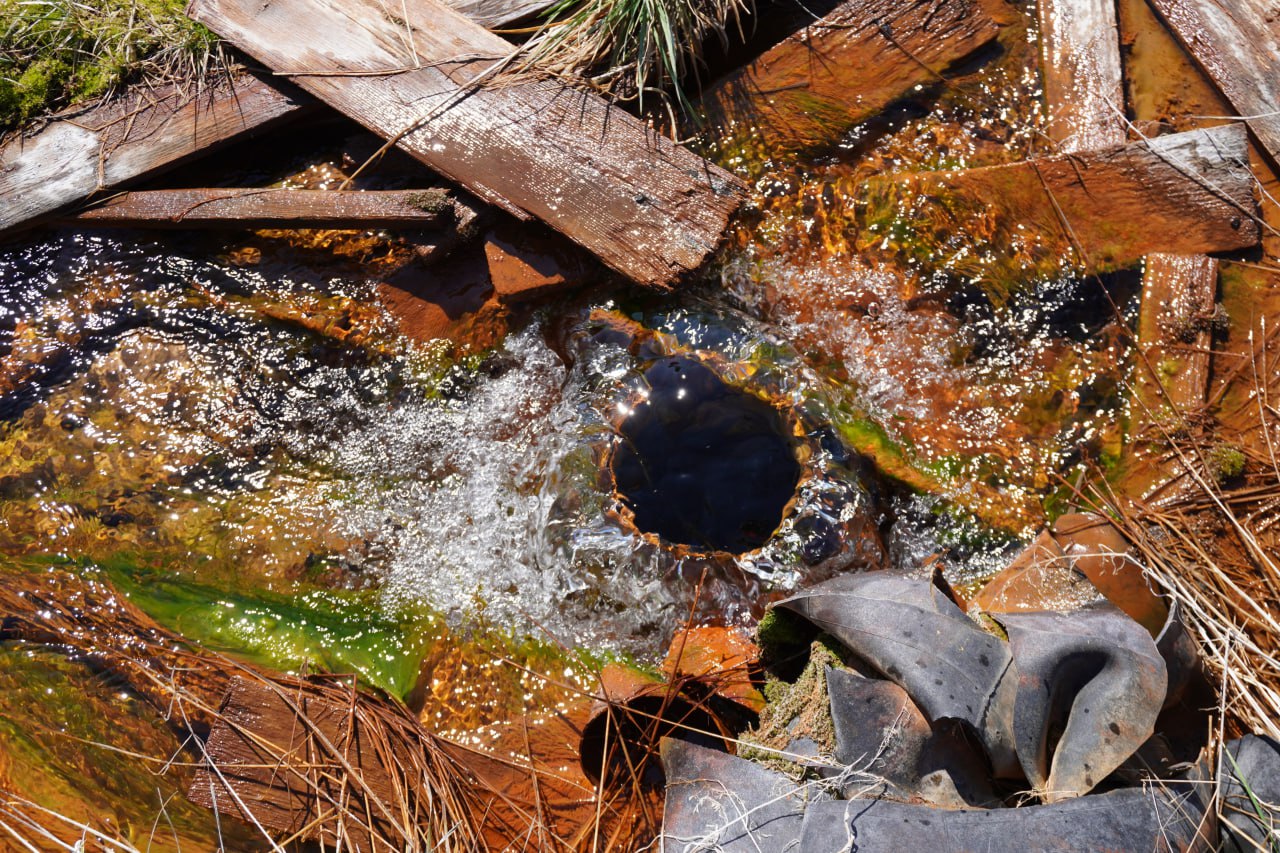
(703,463)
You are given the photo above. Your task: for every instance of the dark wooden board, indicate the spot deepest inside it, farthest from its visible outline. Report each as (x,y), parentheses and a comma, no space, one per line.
(272,208)
(140,135)
(146,133)
(846,67)
(1184,193)
(646,207)
(1238,46)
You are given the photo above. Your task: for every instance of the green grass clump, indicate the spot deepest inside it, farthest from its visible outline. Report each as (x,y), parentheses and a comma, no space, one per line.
(59,52)
(1226,461)
(636,48)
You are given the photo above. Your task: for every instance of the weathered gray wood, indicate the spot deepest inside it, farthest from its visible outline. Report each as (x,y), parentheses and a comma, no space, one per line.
(141,135)
(646,207)
(846,67)
(1083,87)
(147,132)
(1237,43)
(272,208)
(1187,192)
(1175,330)
(496,14)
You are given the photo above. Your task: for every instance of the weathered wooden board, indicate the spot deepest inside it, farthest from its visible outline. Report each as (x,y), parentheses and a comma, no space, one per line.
(496,14)
(1083,86)
(272,208)
(138,136)
(1175,332)
(1238,46)
(149,132)
(645,206)
(1188,192)
(846,67)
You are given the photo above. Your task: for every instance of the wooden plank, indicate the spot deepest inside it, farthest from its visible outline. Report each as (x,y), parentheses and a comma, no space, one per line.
(1187,192)
(272,208)
(138,136)
(646,207)
(1083,86)
(846,67)
(496,14)
(146,133)
(1238,46)
(1175,330)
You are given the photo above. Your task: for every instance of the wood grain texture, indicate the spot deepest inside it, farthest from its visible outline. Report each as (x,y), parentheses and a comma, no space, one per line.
(1083,86)
(846,67)
(1185,193)
(646,207)
(141,135)
(496,14)
(272,208)
(1237,43)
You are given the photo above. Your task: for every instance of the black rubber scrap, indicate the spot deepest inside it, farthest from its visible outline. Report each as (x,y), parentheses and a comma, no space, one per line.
(914,634)
(719,802)
(882,735)
(1159,819)
(1095,675)
(1249,779)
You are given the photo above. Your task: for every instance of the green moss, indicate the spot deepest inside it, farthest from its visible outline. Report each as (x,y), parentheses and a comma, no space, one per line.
(780,629)
(1226,461)
(59,52)
(796,710)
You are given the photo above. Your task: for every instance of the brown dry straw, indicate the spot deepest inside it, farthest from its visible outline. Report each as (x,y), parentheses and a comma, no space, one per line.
(1211,542)
(430,799)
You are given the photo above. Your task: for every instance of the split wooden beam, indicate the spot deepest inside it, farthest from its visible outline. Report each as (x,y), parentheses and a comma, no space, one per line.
(1101,210)
(846,67)
(273,208)
(80,153)
(1238,46)
(138,136)
(643,205)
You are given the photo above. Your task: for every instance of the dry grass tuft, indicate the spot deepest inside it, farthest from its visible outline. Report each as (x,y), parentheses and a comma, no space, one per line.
(1212,543)
(635,49)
